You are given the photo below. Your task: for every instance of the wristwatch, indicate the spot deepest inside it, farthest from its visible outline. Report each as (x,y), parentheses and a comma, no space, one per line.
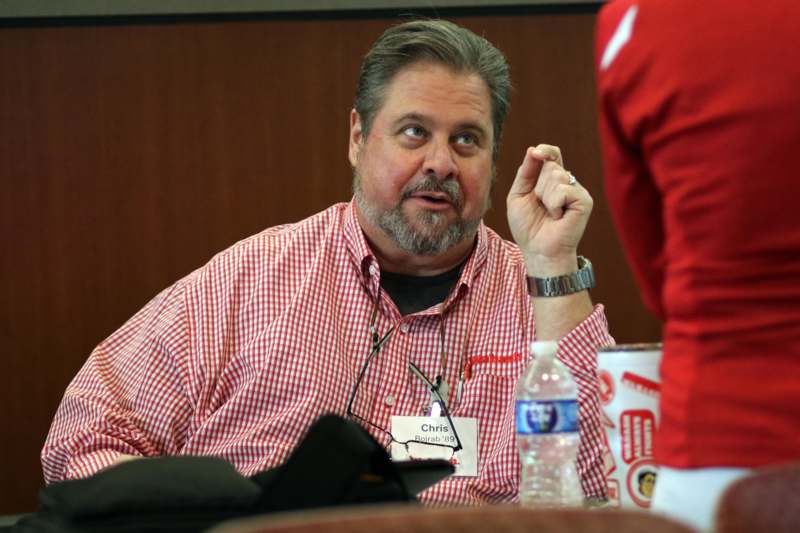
(577,281)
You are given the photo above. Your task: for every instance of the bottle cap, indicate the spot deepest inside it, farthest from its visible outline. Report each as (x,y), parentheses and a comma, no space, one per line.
(544,349)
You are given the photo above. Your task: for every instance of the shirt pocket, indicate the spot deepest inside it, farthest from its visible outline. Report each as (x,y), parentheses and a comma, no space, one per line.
(488,395)
(489,385)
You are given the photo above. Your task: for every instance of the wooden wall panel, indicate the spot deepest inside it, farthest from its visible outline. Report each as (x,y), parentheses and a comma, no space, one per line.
(129,154)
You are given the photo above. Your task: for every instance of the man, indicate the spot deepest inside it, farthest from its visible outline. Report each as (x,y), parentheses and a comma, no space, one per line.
(328,314)
(698,103)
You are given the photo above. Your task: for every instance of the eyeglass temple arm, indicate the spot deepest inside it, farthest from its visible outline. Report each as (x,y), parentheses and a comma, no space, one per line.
(435,390)
(376,347)
(421,376)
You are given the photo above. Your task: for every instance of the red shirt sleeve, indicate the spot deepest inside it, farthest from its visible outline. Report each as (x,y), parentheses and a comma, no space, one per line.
(633,197)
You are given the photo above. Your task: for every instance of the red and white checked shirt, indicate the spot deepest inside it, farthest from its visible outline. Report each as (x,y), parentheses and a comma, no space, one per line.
(238,358)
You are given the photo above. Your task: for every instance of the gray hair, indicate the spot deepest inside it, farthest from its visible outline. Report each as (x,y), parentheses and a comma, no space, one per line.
(438,41)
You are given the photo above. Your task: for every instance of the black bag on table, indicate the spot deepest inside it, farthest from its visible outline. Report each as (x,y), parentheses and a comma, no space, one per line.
(337,463)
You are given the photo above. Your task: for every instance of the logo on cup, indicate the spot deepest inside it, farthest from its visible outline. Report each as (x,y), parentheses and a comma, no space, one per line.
(641,384)
(636,428)
(605,387)
(608,457)
(612,491)
(641,479)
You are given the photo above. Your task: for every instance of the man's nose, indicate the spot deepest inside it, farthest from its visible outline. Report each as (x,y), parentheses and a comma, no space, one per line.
(439,160)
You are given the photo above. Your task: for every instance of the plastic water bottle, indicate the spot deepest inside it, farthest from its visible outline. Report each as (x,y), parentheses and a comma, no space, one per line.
(547,432)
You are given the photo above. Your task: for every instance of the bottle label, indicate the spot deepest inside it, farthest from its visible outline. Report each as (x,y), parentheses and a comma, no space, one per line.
(535,417)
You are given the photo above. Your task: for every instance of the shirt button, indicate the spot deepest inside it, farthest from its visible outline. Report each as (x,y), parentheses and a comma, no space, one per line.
(404,328)
(389,400)
(373,269)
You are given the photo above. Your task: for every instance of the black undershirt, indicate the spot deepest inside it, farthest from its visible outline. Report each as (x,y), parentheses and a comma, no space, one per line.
(415,293)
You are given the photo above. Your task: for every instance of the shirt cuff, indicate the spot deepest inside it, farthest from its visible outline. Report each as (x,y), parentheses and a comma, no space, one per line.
(578,349)
(88,464)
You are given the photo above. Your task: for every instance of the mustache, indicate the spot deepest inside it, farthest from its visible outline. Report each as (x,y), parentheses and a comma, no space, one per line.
(449,187)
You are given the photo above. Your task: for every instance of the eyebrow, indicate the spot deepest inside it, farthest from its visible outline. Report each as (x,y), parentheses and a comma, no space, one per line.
(468,126)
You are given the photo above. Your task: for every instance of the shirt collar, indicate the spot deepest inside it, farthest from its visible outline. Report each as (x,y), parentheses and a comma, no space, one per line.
(356,243)
(477,259)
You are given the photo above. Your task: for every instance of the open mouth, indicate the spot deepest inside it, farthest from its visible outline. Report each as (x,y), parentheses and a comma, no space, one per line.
(432,197)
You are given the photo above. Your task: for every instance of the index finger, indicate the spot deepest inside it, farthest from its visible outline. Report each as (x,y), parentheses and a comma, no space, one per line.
(528,174)
(548,152)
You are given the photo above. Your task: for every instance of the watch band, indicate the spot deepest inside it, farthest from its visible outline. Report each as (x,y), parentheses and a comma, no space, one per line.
(577,281)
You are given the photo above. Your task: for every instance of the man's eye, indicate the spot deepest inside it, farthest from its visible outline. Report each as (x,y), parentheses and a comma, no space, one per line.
(414,131)
(466,139)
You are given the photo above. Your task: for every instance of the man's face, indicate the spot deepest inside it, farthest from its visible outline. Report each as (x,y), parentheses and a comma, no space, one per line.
(648,482)
(423,173)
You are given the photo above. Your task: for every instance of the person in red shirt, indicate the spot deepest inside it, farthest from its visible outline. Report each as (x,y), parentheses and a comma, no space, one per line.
(700,127)
(237,359)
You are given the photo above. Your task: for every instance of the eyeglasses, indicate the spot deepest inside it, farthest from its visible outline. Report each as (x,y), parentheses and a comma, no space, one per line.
(416,449)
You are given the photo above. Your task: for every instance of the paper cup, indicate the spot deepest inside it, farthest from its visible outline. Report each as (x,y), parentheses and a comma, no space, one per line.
(629,386)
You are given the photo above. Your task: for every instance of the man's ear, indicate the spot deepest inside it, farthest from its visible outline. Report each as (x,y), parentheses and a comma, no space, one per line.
(356,137)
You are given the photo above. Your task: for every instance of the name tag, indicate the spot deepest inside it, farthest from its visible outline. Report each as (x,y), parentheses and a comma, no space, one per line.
(436,430)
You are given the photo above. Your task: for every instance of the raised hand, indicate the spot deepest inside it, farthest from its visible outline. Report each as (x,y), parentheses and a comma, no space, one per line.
(547,212)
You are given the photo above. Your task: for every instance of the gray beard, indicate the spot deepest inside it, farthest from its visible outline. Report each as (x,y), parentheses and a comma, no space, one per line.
(434,238)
